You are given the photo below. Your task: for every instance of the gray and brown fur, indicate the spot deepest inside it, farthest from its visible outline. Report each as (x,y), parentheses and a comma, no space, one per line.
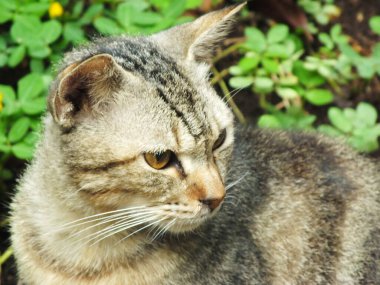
(299,208)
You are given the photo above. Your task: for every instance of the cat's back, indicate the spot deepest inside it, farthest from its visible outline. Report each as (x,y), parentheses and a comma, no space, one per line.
(313,206)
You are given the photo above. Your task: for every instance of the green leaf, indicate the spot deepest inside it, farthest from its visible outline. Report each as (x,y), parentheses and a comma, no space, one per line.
(270,65)
(39,50)
(289,80)
(337,118)
(366,114)
(249,62)
(4,148)
(125,13)
(263,85)
(34,107)
(34,8)
(175,9)
(90,14)
(31,138)
(18,129)
(363,144)
(305,122)
(277,51)
(329,130)
(77,9)
(235,70)
(278,33)
(9,100)
(26,29)
(192,4)
(376,51)
(147,18)
(255,39)
(3,59)
(37,65)
(366,68)
(5,15)
(16,56)
(22,151)
(107,26)
(374,24)
(51,30)
(240,81)
(287,93)
(72,32)
(326,40)
(336,35)
(269,121)
(319,97)
(30,86)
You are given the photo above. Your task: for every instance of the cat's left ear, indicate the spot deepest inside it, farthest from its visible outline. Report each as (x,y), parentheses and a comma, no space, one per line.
(84,89)
(199,39)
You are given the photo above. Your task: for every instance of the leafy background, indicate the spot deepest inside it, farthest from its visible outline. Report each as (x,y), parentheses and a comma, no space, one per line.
(300,64)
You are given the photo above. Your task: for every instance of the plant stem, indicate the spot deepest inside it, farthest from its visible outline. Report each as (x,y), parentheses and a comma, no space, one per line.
(4,257)
(263,102)
(223,86)
(226,52)
(334,86)
(220,76)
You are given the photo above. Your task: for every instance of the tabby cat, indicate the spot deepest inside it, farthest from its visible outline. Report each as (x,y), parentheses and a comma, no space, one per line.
(135,180)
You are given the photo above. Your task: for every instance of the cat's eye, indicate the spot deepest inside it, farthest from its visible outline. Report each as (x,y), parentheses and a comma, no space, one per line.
(158,160)
(220,140)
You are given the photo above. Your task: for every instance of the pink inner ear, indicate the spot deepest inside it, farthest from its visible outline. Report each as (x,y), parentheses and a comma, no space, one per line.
(77,92)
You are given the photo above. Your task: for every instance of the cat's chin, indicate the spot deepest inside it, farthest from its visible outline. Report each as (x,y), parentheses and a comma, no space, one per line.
(190,224)
(187,226)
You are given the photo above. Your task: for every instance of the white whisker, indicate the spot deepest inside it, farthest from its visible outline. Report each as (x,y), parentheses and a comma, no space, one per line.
(136,231)
(119,228)
(237,181)
(97,215)
(164,229)
(124,217)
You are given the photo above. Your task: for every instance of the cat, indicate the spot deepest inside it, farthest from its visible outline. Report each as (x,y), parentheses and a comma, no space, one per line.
(136,181)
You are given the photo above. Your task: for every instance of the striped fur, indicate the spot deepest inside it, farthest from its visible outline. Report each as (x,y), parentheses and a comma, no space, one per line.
(299,208)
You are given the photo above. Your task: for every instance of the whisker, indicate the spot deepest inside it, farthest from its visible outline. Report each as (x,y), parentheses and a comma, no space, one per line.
(237,181)
(135,232)
(90,219)
(124,217)
(237,90)
(119,228)
(164,229)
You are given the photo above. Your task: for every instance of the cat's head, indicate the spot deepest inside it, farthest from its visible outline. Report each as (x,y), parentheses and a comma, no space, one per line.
(141,128)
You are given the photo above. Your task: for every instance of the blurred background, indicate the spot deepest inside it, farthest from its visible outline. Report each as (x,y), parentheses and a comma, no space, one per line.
(309,65)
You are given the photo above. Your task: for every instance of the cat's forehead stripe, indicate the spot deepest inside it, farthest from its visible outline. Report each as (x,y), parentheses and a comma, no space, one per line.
(172,86)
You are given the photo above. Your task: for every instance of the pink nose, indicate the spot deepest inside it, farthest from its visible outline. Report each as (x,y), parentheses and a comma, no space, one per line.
(212,203)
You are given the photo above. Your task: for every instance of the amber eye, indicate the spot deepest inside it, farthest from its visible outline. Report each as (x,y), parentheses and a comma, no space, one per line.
(158,160)
(222,137)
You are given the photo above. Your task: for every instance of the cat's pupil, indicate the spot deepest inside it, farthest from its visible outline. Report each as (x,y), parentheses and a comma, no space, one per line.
(161,156)
(222,137)
(158,160)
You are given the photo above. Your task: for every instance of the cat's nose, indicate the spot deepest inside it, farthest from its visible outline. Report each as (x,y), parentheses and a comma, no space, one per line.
(212,203)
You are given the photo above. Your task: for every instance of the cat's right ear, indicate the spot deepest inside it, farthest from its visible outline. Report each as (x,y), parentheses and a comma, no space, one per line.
(198,40)
(84,89)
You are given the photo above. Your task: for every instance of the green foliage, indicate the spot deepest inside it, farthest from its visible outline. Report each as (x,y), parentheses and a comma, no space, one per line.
(358,126)
(321,11)
(19,119)
(275,66)
(374,23)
